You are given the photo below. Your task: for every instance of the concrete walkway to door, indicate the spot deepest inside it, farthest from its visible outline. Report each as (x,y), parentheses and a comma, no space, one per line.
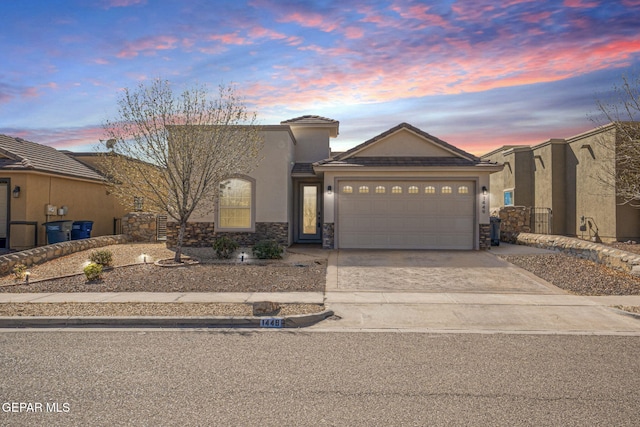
(458,291)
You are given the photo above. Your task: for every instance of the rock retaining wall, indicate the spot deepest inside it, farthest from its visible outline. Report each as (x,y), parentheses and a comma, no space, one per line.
(47,253)
(596,252)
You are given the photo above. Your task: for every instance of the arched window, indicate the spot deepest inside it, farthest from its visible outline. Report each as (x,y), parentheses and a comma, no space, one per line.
(363,189)
(381,189)
(446,189)
(413,189)
(236,205)
(430,189)
(347,189)
(396,189)
(463,189)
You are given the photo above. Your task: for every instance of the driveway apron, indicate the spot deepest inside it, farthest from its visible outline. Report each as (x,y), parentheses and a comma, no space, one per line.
(456,291)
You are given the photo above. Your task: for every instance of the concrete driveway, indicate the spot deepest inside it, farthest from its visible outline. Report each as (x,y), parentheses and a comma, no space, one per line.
(433,271)
(459,291)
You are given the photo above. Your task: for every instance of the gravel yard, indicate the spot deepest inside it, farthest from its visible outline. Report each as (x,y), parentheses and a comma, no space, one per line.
(576,275)
(302,271)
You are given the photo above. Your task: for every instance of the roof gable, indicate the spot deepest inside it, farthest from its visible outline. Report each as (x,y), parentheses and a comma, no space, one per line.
(406,141)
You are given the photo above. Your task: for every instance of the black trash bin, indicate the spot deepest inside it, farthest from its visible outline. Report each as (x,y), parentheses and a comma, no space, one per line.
(58,231)
(81,230)
(495,230)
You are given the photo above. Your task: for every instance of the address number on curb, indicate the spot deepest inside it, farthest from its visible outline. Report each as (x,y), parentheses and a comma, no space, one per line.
(271,322)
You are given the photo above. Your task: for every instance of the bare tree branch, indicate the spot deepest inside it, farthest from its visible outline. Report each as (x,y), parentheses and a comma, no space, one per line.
(174,150)
(622,155)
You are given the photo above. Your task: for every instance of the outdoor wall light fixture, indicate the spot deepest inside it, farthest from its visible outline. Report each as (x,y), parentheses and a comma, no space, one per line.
(242,256)
(144,258)
(26,277)
(484,190)
(329,190)
(16,192)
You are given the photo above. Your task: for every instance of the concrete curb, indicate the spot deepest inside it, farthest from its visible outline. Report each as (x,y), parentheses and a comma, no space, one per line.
(294,321)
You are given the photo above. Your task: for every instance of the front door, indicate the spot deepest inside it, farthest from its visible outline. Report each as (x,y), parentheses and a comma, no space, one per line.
(310,224)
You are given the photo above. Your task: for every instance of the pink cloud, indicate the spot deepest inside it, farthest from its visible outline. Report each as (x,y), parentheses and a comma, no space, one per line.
(229,38)
(534,18)
(311,20)
(148,45)
(101,61)
(582,4)
(65,138)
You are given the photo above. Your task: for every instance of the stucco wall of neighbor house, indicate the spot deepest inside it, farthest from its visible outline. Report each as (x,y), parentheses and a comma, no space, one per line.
(549,183)
(628,223)
(595,201)
(312,144)
(84,200)
(497,179)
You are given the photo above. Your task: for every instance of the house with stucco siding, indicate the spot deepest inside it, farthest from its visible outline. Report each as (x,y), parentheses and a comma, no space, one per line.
(568,176)
(40,184)
(402,189)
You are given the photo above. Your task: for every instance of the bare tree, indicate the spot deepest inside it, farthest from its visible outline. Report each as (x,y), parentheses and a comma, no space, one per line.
(174,150)
(623,114)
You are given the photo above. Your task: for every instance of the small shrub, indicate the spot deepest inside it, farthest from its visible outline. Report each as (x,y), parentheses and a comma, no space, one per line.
(19,271)
(93,271)
(225,247)
(103,257)
(267,249)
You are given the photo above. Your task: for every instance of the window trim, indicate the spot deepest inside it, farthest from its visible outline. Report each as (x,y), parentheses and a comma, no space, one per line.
(252,214)
(504,193)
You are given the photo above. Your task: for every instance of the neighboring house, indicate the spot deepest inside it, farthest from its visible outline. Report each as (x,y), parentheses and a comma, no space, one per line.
(403,189)
(40,184)
(566,176)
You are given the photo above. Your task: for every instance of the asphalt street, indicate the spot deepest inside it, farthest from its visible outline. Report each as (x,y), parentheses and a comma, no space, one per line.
(293,378)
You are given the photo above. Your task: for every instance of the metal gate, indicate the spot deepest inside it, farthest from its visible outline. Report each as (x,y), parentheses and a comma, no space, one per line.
(541,220)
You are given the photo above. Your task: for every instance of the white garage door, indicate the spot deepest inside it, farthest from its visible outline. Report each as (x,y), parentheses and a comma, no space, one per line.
(406,214)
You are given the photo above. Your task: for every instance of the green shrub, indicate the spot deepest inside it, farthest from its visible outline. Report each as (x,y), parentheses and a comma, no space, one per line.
(103,257)
(267,249)
(93,271)
(225,247)
(19,271)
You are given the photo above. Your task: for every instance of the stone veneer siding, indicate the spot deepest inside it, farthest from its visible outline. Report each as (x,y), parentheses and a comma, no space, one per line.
(42,254)
(513,220)
(485,236)
(596,252)
(328,235)
(202,234)
(140,226)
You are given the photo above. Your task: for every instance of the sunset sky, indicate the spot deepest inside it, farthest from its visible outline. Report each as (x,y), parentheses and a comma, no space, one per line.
(478,74)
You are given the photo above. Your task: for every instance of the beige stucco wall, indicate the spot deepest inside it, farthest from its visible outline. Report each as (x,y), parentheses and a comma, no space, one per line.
(85,200)
(516,175)
(549,181)
(593,199)
(272,181)
(312,144)
(404,143)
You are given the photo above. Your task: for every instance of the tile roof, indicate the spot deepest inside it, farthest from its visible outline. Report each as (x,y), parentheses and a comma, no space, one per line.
(300,169)
(26,155)
(309,119)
